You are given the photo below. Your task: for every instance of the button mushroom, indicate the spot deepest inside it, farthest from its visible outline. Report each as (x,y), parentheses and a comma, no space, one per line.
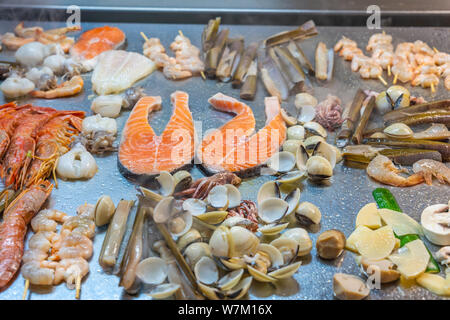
(330,244)
(349,287)
(385,268)
(435,221)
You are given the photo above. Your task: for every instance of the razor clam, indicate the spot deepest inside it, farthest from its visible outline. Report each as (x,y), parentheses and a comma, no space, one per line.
(297,53)
(213,55)
(350,116)
(305,31)
(230,56)
(246,59)
(395,115)
(368,108)
(248,89)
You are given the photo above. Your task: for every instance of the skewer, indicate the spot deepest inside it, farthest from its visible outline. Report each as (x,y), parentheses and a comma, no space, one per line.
(180,33)
(382,80)
(144,36)
(78,286)
(395,78)
(389,70)
(203,75)
(432,87)
(25,290)
(435,50)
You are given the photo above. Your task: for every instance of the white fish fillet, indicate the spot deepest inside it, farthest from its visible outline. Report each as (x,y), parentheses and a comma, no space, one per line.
(117,70)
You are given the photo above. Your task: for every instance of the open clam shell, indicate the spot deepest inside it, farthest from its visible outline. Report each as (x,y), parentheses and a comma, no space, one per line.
(233,263)
(307,113)
(290,120)
(268,190)
(152,270)
(244,241)
(166,183)
(275,256)
(311,142)
(327,151)
(206,271)
(180,223)
(293,200)
(260,276)
(286,271)
(272,228)
(213,217)
(220,242)
(272,210)
(288,248)
(164,210)
(302,238)
(150,194)
(319,168)
(193,235)
(183,180)
(230,280)
(218,197)
(292,177)
(291,145)
(296,133)
(195,206)
(234,196)
(307,214)
(282,162)
(195,251)
(240,290)
(164,290)
(315,129)
(301,157)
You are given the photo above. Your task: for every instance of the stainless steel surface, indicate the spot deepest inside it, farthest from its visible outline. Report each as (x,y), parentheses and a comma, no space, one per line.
(287,12)
(339,202)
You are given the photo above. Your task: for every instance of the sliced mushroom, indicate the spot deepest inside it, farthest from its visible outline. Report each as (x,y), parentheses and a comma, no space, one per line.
(349,287)
(385,269)
(435,221)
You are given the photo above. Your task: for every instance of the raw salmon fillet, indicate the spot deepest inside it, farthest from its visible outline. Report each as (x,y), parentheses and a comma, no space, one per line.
(143,154)
(233,147)
(97,40)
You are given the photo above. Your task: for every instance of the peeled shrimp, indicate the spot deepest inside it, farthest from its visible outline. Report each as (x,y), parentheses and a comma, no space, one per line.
(69,270)
(358,61)
(66,89)
(154,50)
(47,220)
(344,42)
(370,70)
(423,48)
(12,42)
(43,240)
(80,225)
(429,168)
(383,170)
(87,211)
(402,69)
(38,273)
(349,52)
(78,163)
(187,54)
(441,58)
(175,71)
(425,80)
(72,246)
(377,39)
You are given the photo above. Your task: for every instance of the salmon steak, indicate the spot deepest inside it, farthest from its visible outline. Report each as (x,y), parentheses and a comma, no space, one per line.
(95,41)
(142,153)
(235,147)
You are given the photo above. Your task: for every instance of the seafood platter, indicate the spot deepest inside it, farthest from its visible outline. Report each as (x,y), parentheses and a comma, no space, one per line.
(215,161)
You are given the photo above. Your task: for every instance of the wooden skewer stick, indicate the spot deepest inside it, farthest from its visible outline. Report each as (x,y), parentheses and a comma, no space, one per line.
(432,87)
(181,33)
(435,50)
(203,75)
(78,286)
(144,36)
(395,78)
(389,70)
(382,80)
(25,290)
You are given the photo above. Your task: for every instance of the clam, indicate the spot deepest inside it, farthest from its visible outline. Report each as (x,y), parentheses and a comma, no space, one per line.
(290,120)
(286,271)
(163,210)
(302,238)
(218,197)
(260,276)
(272,210)
(304,99)
(230,280)
(292,177)
(152,270)
(293,200)
(235,293)
(300,158)
(188,238)
(383,103)
(327,151)
(311,142)
(291,145)
(164,290)
(237,221)
(104,210)
(206,271)
(232,242)
(213,217)
(282,162)
(233,263)
(307,214)
(306,114)
(166,183)
(195,251)
(182,179)
(234,196)
(398,130)
(180,223)
(319,168)
(268,190)
(272,228)
(194,206)
(296,133)
(313,128)
(288,248)
(399,95)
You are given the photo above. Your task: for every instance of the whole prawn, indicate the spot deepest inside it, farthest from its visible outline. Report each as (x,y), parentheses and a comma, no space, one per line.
(53,140)
(22,146)
(66,89)
(13,229)
(383,170)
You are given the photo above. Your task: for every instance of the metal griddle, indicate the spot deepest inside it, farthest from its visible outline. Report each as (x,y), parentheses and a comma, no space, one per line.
(339,201)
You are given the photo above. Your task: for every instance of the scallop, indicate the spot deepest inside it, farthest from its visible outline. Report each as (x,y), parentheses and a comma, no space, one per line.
(307,214)
(107,106)
(152,270)
(206,271)
(302,238)
(315,129)
(272,210)
(194,206)
(282,162)
(296,133)
(398,130)
(291,145)
(166,183)
(218,197)
(319,168)
(164,290)
(268,190)
(104,210)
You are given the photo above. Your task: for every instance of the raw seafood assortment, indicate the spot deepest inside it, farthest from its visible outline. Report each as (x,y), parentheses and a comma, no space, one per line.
(201,238)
